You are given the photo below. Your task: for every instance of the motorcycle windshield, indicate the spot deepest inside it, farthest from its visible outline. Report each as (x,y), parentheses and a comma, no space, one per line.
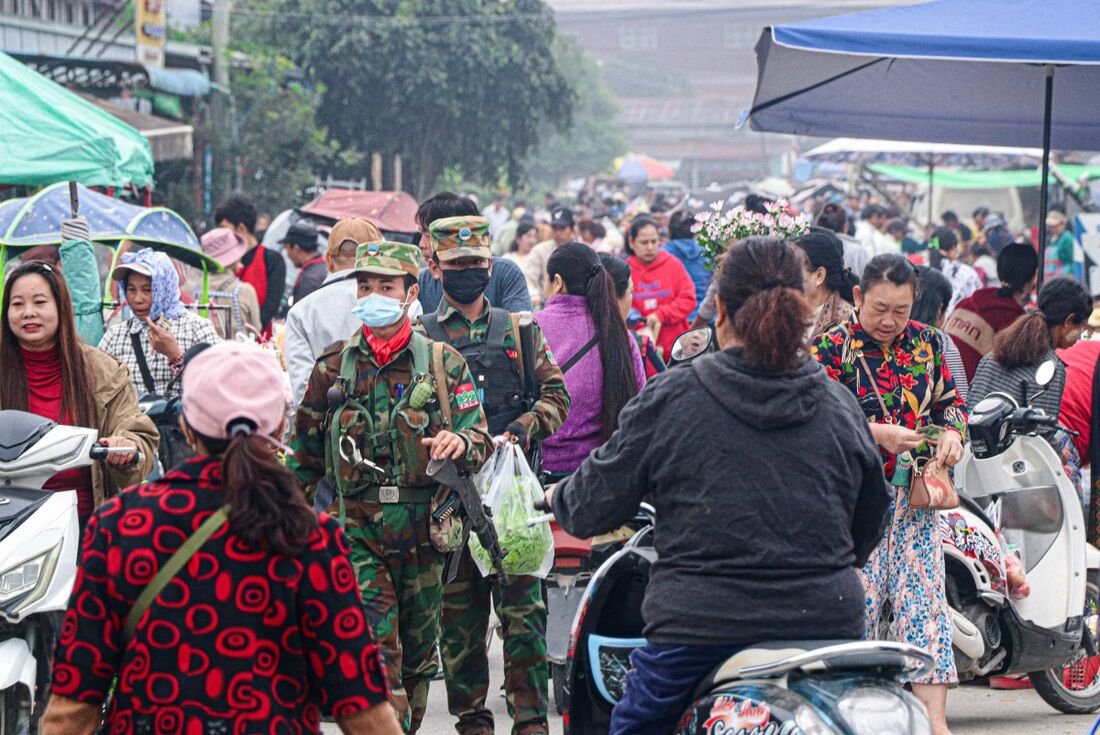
(1030,519)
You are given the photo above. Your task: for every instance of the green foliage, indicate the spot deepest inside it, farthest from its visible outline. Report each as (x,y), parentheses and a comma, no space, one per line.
(524,546)
(595,139)
(467,84)
(279,146)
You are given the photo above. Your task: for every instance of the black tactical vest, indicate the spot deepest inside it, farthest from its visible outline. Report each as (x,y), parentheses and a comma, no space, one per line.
(496,374)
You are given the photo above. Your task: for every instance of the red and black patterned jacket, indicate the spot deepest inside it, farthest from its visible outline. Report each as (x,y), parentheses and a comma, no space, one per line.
(240,641)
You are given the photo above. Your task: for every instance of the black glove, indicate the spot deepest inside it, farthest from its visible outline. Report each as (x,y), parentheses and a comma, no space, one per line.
(517,430)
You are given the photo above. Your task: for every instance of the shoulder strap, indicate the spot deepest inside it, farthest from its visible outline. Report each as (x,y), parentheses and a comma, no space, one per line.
(143,365)
(431,327)
(517,337)
(565,367)
(171,568)
(442,394)
(870,375)
(499,320)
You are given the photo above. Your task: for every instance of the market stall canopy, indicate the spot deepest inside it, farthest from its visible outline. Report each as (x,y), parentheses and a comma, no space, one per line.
(389,211)
(36,220)
(904,152)
(982,179)
(951,71)
(51,135)
(637,169)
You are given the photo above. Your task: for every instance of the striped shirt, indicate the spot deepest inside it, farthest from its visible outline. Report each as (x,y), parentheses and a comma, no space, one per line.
(992,377)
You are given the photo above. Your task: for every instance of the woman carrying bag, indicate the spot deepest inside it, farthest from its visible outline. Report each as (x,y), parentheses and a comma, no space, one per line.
(895,368)
(215,596)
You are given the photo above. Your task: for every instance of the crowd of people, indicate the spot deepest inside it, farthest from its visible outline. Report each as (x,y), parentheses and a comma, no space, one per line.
(322,586)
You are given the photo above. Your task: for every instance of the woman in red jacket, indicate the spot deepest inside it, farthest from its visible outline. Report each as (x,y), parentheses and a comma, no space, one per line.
(663,291)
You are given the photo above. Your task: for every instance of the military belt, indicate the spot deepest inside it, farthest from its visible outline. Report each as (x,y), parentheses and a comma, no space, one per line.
(388,494)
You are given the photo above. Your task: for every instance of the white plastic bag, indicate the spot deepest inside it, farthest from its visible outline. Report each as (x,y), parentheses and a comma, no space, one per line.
(510,489)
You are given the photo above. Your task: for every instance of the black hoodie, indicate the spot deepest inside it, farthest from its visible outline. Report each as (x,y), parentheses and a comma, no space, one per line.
(769,491)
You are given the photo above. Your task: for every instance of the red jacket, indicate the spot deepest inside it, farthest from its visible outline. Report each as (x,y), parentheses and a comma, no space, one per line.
(1076,413)
(976,321)
(663,286)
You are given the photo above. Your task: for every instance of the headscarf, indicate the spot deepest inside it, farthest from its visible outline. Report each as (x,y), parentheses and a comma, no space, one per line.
(166,283)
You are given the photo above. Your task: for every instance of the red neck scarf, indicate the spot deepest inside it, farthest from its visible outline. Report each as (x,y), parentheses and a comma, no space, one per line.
(43,370)
(385,349)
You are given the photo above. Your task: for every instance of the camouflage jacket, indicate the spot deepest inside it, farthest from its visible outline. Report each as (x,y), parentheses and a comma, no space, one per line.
(397,427)
(552,407)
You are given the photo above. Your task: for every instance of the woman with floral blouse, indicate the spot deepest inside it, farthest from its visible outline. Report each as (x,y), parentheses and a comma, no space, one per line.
(906,362)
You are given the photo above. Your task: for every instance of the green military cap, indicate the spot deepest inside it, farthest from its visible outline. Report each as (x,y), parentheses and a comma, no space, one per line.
(386,258)
(461,237)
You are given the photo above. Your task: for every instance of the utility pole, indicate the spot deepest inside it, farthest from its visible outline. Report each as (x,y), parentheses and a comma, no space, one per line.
(221,43)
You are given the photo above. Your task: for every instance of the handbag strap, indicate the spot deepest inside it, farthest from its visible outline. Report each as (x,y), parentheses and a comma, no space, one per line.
(886,415)
(171,568)
(565,366)
(143,365)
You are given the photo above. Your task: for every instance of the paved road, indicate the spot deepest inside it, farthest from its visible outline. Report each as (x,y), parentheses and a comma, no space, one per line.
(971,710)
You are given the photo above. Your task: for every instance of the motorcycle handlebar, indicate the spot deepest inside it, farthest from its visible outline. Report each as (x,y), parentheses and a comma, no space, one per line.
(102,451)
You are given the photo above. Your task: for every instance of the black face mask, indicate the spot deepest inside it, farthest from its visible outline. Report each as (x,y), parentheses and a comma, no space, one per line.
(465,286)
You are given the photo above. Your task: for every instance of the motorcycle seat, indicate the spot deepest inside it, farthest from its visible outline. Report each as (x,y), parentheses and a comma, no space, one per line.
(837,656)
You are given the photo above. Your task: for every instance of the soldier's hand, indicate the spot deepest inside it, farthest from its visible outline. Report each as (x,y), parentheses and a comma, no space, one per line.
(445,445)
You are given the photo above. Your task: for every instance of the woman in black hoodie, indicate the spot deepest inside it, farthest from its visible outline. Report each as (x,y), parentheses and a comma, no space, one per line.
(768,488)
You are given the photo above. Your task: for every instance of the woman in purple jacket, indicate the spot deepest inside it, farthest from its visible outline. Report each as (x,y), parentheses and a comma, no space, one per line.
(602,365)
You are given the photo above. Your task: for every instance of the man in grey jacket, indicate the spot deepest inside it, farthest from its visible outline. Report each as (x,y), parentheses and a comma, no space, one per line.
(324,316)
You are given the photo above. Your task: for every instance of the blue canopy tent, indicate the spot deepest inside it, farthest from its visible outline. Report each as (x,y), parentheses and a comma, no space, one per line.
(983,72)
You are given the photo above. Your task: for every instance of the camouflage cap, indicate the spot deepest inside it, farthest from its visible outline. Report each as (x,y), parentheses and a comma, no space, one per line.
(386,258)
(461,237)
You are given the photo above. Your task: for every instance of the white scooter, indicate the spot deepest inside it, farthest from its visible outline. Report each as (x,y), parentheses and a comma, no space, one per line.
(39,538)
(1017,500)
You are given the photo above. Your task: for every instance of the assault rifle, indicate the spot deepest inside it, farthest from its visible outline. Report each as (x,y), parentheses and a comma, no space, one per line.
(464,494)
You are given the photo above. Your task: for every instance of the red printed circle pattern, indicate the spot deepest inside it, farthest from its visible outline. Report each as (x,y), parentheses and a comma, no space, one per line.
(241,641)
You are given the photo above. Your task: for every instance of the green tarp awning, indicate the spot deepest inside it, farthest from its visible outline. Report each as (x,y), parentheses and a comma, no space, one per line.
(952,179)
(50,135)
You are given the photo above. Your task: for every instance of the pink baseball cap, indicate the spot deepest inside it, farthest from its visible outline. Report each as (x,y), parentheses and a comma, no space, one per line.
(224,245)
(231,381)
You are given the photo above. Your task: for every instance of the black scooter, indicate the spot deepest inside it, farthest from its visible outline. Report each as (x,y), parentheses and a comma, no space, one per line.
(811,687)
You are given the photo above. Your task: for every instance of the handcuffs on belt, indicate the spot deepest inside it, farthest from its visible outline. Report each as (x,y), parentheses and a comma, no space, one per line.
(386,493)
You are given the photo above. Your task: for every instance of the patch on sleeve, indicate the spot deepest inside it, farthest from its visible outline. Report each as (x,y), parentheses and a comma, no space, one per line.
(550,355)
(466,397)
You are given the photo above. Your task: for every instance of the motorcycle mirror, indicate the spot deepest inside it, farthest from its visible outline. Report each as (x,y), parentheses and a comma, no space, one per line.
(1045,373)
(691,343)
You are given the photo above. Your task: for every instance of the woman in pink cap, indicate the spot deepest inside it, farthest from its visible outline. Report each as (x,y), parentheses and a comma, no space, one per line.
(226,289)
(215,596)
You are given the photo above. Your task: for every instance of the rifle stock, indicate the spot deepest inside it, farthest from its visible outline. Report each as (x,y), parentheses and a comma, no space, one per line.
(445,472)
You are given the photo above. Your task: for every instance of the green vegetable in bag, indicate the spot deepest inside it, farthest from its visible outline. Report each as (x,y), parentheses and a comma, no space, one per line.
(524,547)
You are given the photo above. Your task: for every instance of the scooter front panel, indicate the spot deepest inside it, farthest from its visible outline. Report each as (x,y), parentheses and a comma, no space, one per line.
(752,708)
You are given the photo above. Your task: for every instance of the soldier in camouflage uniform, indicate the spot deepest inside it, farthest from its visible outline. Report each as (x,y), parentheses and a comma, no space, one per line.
(521,411)
(391,397)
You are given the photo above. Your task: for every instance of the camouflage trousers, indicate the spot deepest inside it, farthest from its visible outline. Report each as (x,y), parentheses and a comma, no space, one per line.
(401,580)
(522,612)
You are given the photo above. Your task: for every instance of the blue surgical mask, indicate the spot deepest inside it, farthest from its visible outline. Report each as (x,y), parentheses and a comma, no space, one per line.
(376,310)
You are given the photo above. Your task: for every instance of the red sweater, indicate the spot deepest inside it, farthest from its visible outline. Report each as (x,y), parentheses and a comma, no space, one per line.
(663,286)
(1076,413)
(44,393)
(976,321)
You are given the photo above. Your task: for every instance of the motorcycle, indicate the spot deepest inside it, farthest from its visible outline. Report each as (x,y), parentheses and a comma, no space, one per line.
(575,560)
(39,539)
(774,688)
(778,688)
(1018,508)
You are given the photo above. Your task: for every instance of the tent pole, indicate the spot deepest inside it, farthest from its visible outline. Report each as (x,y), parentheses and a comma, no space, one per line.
(931,169)
(1044,184)
(74,200)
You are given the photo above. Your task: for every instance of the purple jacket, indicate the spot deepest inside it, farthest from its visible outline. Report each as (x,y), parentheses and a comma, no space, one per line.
(567,326)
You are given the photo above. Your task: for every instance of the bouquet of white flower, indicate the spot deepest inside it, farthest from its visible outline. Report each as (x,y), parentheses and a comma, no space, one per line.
(715,230)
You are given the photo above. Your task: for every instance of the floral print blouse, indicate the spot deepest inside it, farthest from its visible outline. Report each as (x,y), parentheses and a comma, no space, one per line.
(911,374)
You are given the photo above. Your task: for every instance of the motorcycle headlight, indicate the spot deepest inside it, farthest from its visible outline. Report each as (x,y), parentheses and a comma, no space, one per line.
(28,579)
(871,711)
